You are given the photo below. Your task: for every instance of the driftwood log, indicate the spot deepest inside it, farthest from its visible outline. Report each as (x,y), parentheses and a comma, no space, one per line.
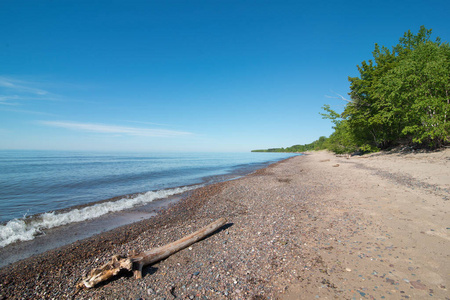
(136,262)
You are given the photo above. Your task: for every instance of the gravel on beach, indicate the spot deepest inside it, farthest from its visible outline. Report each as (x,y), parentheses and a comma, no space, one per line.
(291,233)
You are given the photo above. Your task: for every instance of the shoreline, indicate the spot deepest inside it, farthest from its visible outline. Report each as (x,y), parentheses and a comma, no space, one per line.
(66,234)
(85,220)
(301,226)
(97,179)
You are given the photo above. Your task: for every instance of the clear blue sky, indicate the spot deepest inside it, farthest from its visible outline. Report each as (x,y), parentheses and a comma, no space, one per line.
(187,75)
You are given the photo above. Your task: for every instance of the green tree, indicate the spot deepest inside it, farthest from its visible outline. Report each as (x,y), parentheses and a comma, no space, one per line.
(342,139)
(401,96)
(419,89)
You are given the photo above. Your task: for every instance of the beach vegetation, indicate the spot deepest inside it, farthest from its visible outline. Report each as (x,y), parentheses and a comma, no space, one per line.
(319,144)
(401,97)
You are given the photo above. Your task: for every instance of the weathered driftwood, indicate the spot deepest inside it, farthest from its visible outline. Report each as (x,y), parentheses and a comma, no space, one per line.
(136,262)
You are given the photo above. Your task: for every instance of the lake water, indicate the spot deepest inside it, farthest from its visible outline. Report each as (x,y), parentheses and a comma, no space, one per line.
(41,190)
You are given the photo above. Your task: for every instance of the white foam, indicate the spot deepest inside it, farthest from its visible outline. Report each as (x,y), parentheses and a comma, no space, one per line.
(19,230)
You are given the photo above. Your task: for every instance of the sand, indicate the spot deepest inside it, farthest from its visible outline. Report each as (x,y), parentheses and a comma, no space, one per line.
(313,226)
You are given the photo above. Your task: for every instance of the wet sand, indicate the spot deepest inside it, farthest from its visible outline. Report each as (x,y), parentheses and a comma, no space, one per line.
(314,226)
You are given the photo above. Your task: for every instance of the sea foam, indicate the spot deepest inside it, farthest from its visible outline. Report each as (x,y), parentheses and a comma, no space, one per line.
(25,230)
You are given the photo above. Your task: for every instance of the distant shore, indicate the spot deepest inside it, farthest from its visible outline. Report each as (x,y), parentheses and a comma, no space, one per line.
(313,225)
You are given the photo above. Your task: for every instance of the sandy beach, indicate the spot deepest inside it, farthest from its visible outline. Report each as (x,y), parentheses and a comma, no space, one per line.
(316,226)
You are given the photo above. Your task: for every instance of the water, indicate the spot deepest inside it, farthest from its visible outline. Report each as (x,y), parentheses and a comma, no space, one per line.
(41,190)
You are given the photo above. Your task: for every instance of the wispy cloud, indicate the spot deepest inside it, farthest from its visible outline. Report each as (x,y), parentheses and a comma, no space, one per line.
(21,86)
(25,111)
(113,129)
(6,100)
(14,91)
(147,123)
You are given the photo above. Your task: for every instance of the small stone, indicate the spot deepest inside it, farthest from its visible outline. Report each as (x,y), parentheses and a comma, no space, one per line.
(418,285)
(348,269)
(391,281)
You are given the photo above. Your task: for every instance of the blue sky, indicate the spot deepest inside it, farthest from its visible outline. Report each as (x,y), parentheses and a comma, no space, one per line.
(187,75)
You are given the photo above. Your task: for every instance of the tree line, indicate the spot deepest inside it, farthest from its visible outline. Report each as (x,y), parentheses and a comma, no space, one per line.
(401,97)
(316,145)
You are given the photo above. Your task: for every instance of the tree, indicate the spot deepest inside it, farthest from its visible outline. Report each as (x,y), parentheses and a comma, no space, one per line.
(420,87)
(401,96)
(342,139)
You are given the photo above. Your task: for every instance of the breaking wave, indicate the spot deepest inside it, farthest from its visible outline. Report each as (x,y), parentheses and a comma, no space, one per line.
(27,229)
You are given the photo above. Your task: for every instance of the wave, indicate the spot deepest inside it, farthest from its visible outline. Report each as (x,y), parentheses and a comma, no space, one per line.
(27,229)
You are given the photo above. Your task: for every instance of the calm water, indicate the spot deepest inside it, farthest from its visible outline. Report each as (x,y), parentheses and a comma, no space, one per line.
(42,182)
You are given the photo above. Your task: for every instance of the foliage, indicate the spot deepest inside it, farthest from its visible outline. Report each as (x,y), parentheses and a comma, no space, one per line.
(316,145)
(401,96)
(342,139)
